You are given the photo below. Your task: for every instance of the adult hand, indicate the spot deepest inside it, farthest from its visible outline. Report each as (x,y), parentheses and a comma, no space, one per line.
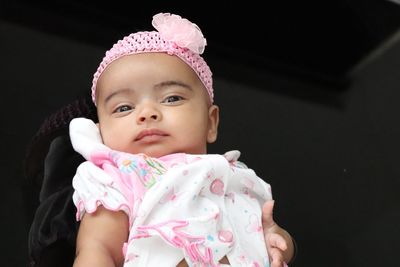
(278,241)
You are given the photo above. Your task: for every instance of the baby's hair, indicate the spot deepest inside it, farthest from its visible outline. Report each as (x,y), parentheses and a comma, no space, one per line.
(53,126)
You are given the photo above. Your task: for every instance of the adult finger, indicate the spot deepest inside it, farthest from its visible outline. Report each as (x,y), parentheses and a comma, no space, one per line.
(267,214)
(276,257)
(276,241)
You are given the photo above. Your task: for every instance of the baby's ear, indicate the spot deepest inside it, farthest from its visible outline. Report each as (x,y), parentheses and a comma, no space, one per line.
(213,121)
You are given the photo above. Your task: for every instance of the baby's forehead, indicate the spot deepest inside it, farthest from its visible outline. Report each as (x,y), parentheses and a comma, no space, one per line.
(156,69)
(187,43)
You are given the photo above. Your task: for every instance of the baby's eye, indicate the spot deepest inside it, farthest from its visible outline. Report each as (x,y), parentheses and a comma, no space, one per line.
(123,108)
(172,99)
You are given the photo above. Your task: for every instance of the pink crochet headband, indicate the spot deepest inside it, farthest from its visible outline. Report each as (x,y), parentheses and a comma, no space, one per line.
(174,36)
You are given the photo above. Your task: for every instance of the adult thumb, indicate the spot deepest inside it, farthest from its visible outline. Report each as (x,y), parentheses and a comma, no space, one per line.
(267,214)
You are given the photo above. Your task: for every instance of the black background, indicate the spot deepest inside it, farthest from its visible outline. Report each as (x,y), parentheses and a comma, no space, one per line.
(308,92)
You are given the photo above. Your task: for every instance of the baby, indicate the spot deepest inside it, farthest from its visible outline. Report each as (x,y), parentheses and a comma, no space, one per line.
(149,194)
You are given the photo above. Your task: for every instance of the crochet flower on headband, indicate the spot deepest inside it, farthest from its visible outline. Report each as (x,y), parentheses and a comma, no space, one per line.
(181,31)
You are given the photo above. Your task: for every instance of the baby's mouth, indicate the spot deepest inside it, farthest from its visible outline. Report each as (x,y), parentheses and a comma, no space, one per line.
(150,135)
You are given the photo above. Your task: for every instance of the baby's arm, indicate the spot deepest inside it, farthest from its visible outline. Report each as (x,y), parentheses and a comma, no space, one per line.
(280,245)
(100,238)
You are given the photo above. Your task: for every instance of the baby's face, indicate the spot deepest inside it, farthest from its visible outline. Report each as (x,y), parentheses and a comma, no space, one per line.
(155,104)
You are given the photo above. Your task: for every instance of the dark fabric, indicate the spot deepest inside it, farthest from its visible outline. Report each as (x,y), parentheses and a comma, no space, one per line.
(50,165)
(58,254)
(54,228)
(54,125)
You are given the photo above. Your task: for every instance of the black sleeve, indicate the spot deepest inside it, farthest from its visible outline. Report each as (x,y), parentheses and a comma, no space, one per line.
(50,164)
(54,228)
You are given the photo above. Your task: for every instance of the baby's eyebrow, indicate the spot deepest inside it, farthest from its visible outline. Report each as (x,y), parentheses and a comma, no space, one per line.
(117,92)
(157,86)
(172,83)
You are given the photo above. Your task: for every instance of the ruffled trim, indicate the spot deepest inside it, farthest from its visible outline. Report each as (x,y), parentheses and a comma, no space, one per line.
(94,187)
(92,205)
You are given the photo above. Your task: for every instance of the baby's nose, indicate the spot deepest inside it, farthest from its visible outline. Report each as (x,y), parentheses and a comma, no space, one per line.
(148,113)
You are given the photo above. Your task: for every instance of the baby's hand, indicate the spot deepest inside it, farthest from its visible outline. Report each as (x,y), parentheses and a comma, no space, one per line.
(276,238)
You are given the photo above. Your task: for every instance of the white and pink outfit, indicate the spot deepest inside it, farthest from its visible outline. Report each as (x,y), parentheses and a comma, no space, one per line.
(194,207)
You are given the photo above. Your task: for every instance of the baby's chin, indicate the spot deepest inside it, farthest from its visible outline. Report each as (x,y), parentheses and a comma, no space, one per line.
(154,153)
(158,151)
